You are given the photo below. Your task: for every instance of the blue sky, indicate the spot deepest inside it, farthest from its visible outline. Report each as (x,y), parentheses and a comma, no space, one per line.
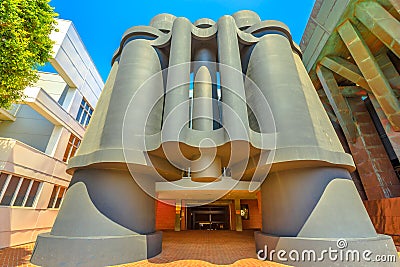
(102,23)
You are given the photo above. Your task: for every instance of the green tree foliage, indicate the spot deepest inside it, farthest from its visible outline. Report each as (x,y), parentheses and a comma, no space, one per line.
(25,26)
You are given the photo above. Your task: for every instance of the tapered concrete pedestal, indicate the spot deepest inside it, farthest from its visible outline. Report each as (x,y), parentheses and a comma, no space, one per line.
(300,251)
(318,210)
(53,250)
(105,219)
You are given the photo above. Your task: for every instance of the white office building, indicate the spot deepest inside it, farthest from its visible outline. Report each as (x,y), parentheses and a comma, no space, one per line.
(40,134)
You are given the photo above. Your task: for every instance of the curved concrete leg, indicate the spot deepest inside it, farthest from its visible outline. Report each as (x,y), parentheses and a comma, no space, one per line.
(311,209)
(105,219)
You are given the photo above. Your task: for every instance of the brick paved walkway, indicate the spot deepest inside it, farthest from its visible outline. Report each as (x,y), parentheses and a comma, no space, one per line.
(186,248)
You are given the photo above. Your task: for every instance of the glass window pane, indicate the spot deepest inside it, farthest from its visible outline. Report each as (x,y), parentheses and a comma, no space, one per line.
(53,196)
(59,198)
(32,194)
(76,141)
(78,116)
(82,120)
(87,121)
(66,154)
(10,191)
(21,193)
(72,152)
(3,178)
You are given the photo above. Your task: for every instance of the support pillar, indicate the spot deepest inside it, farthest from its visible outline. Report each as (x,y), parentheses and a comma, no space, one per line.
(178,208)
(396,5)
(104,206)
(389,70)
(90,222)
(345,69)
(230,68)
(58,142)
(371,72)
(337,102)
(363,139)
(239,226)
(381,23)
(206,56)
(176,109)
(205,167)
(326,209)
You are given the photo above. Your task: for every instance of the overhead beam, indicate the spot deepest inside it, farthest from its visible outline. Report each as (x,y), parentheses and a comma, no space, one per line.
(352,91)
(325,103)
(345,69)
(381,23)
(389,70)
(372,73)
(396,5)
(337,102)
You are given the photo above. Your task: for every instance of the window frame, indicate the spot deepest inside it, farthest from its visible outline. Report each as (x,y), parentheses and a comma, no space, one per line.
(55,200)
(18,188)
(72,145)
(85,113)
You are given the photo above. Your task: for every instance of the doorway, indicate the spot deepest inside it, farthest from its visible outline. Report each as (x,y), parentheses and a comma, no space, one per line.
(208,217)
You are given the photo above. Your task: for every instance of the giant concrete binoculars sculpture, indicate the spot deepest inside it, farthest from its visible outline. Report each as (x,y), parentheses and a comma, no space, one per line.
(249,107)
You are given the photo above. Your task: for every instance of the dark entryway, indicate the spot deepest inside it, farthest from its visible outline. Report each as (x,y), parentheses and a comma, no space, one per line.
(208,218)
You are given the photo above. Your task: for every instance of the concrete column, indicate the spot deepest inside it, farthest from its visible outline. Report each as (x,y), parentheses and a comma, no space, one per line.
(326,209)
(202,101)
(396,5)
(371,72)
(178,208)
(337,102)
(58,142)
(239,226)
(273,69)
(381,23)
(363,140)
(232,86)
(205,167)
(132,86)
(389,70)
(90,217)
(183,215)
(176,111)
(317,210)
(206,56)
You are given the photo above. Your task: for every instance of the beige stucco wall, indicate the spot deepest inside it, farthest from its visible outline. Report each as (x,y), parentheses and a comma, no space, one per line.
(20,225)
(33,145)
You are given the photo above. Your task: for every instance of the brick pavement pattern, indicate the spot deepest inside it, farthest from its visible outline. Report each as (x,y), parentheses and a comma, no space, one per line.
(185,248)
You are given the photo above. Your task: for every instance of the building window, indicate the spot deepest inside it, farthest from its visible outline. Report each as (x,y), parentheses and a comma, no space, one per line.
(18,191)
(85,113)
(72,146)
(57,196)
